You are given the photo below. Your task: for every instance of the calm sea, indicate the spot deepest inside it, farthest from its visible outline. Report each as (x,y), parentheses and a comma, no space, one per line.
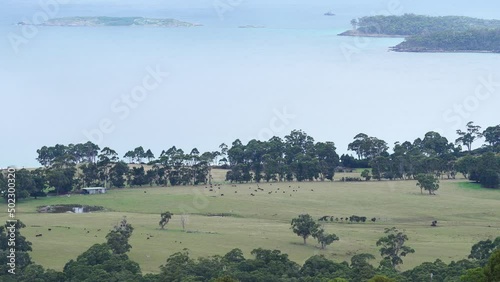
(62,84)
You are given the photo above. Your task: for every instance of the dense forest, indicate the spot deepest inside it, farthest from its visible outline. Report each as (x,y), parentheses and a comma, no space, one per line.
(109,262)
(487,40)
(432,34)
(411,24)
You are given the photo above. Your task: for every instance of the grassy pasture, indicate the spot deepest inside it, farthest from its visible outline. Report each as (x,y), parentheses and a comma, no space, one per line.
(464,213)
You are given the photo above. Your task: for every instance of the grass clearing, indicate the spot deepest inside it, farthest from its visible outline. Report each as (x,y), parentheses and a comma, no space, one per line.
(217,224)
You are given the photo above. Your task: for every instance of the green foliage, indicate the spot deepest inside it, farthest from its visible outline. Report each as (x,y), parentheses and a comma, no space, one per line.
(492,269)
(62,179)
(98,263)
(101,263)
(482,250)
(21,245)
(165,218)
(368,147)
(117,239)
(484,169)
(323,238)
(117,173)
(427,182)
(470,40)
(492,137)
(304,226)
(179,266)
(319,266)
(474,275)
(361,269)
(411,24)
(366,174)
(381,278)
(392,246)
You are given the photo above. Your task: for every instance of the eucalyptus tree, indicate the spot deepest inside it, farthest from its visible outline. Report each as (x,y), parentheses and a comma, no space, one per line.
(492,137)
(393,246)
(106,159)
(467,137)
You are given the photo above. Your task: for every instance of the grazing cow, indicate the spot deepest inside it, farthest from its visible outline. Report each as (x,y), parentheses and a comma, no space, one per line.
(38,235)
(331,218)
(373,219)
(434,223)
(222,195)
(50,229)
(252,194)
(235,191)
(211,190)
(145,192)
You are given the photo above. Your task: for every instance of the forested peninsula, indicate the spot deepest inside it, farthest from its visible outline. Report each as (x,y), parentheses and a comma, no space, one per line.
(432,34)
(114,21)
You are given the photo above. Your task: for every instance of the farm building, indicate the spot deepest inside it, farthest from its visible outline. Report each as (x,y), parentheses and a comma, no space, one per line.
(94,190)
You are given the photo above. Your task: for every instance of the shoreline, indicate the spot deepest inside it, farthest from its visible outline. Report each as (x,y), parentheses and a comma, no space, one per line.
(379,35)
(424,50)
(411,50)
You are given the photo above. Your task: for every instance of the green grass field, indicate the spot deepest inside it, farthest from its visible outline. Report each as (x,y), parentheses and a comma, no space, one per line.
(465,215)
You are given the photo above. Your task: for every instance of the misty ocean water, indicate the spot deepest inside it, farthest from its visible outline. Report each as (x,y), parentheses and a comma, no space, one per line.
(227,82)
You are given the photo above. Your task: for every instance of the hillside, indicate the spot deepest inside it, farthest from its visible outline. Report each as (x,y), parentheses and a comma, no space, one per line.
(476,40)
(411,24)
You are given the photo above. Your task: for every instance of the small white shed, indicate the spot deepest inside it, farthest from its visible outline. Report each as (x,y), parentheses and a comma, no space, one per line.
(95,190)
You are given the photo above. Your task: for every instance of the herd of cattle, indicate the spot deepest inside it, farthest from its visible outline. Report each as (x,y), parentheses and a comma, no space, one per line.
(352,218)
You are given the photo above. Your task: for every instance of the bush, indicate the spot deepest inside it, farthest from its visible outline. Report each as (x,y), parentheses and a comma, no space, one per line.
(490,179)
(350,179)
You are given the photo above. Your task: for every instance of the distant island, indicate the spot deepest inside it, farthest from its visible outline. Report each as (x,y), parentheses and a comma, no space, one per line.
(114,21)
(251,26)
(330,13)
(474,40)
(431,34)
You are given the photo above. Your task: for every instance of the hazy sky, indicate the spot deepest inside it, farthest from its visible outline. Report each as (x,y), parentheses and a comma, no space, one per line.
(66,85)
